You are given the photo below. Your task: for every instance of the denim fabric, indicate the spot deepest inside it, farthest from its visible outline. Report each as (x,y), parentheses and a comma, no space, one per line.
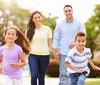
(38,65)
(77,78)
(63,71)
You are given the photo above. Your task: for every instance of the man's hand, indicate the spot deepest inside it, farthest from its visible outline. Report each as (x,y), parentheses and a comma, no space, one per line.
(71,46)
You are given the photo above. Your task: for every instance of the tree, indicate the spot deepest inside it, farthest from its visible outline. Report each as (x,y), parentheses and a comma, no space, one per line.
(93,29)
(50,21)
(13,14)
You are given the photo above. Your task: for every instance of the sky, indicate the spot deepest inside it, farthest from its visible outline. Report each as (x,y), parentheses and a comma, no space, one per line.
(82,9)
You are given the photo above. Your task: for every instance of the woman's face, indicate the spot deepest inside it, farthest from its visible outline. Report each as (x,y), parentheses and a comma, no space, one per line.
(37,19)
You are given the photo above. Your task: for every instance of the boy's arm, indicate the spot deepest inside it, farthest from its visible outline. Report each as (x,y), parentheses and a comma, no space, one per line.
(73,68)
(92,64)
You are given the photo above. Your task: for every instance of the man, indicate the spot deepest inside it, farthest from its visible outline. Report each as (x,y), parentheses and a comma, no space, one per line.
(63,40)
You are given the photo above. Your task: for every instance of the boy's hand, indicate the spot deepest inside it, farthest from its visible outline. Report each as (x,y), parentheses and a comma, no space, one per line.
(80,70)
(96,68)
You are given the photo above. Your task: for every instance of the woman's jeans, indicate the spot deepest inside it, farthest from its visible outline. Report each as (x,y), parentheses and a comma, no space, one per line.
(38,65)
(77,78)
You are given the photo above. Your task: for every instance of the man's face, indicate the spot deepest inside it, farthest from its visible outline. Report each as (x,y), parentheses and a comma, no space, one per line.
(68,12)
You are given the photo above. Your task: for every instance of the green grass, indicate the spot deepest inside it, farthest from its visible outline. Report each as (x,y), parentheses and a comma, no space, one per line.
(92,83)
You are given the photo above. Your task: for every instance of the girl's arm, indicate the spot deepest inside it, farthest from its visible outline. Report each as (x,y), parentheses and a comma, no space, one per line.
(22,61)
(73,68)
(0,64)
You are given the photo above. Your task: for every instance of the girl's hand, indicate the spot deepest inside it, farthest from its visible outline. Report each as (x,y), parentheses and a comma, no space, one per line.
(14,65)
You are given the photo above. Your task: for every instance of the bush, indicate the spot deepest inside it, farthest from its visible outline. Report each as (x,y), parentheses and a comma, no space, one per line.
(53,68)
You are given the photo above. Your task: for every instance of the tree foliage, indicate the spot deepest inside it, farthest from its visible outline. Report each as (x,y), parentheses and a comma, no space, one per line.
(93,29)
(13,14)
(50,21)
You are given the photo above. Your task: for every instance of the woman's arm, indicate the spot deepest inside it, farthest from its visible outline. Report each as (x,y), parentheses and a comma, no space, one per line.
(50,43)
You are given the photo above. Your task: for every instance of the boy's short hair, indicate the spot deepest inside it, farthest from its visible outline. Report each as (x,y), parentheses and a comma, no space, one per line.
(80,34)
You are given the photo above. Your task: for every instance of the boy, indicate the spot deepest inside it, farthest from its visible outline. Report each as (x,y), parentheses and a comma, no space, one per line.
(77,61)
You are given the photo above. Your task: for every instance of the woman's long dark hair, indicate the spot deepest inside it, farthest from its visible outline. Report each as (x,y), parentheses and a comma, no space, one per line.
(31,26)
(21,40)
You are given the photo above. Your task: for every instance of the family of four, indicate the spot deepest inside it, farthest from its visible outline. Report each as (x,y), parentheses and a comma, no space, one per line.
(69,38)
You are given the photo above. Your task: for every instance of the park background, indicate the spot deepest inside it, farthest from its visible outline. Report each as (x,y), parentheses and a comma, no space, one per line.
(17,12)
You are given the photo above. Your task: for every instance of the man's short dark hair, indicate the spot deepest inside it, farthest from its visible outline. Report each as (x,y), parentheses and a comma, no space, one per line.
(68,6)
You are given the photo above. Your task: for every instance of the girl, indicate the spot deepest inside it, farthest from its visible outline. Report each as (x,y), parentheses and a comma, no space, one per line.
(12,54)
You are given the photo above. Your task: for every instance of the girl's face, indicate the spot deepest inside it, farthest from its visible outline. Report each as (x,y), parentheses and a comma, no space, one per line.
(37,18)
(80,42)
(10,35)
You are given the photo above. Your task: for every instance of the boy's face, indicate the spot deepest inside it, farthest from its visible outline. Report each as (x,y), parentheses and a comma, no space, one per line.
(80,42)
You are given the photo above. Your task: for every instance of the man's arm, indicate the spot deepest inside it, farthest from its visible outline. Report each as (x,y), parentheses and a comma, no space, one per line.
(56,40)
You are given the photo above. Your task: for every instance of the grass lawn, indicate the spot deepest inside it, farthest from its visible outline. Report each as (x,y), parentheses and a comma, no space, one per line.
(93,83)
(89,83)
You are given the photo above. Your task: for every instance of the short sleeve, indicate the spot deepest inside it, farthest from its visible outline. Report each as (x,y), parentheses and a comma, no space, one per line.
(70,56)
(1,50)
(20,50)
(88,53)
(49,32)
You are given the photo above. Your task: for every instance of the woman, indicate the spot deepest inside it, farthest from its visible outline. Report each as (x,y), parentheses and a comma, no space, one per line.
(40,37)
